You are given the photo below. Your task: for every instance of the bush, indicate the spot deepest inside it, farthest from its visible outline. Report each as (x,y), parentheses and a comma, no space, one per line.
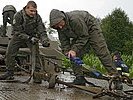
(92,60)
(128,59)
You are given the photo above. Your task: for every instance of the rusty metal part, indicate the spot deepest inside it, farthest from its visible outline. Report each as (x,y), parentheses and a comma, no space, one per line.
(20,67)
(33,61)
(52,81)
(111,82)
(99,91)
(91,89)
(43,75)
(122,78)
(112,94)
(126,79)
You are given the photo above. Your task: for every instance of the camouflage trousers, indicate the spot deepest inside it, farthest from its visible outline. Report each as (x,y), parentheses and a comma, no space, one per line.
(13,49)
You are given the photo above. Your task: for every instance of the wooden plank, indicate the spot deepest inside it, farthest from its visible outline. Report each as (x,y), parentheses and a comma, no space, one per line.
(90,89)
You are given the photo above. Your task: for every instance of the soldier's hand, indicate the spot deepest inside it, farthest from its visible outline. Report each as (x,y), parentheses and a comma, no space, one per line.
(45,44)
(34,40)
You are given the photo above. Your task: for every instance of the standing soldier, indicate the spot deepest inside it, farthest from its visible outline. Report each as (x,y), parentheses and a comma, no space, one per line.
(77,30)
(8,13)
(28,28)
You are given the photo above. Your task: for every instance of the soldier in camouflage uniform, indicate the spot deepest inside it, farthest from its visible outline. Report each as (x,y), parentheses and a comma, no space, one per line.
(27,29)
(78,30)
(8,13)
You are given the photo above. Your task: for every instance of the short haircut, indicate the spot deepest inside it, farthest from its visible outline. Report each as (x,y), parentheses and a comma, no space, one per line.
(32,3)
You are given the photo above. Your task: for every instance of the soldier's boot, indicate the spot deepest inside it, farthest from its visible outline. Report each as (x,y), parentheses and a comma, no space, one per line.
(37,78)
(80,80)
(8,75)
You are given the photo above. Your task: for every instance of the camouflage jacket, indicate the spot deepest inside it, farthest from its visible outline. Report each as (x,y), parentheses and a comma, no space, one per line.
(33,27)
(78,31)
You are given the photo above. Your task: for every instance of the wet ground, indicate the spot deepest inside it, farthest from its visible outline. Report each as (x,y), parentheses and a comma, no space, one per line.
(31,91)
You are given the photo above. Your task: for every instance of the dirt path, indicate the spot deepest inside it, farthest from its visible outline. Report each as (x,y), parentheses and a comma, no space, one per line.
(31,91)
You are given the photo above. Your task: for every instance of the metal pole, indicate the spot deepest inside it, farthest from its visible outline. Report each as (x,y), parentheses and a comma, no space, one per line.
(33,60)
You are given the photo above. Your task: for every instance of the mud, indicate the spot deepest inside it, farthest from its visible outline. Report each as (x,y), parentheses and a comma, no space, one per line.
(32,91)
(17,91)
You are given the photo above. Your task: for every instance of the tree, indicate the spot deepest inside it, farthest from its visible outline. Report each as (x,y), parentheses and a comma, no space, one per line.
(118,31)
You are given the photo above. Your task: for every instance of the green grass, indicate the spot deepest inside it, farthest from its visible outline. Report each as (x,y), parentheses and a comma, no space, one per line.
(92,61)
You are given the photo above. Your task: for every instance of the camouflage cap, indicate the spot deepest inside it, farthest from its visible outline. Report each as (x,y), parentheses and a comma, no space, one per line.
(56,16)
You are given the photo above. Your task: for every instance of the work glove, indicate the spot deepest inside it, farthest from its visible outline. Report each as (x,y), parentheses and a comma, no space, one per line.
(45,44)
(76,60)
(34,40)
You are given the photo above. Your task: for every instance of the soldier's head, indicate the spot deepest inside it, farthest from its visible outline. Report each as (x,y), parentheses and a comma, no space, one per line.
(57,19)
(31,8)
(116,55)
